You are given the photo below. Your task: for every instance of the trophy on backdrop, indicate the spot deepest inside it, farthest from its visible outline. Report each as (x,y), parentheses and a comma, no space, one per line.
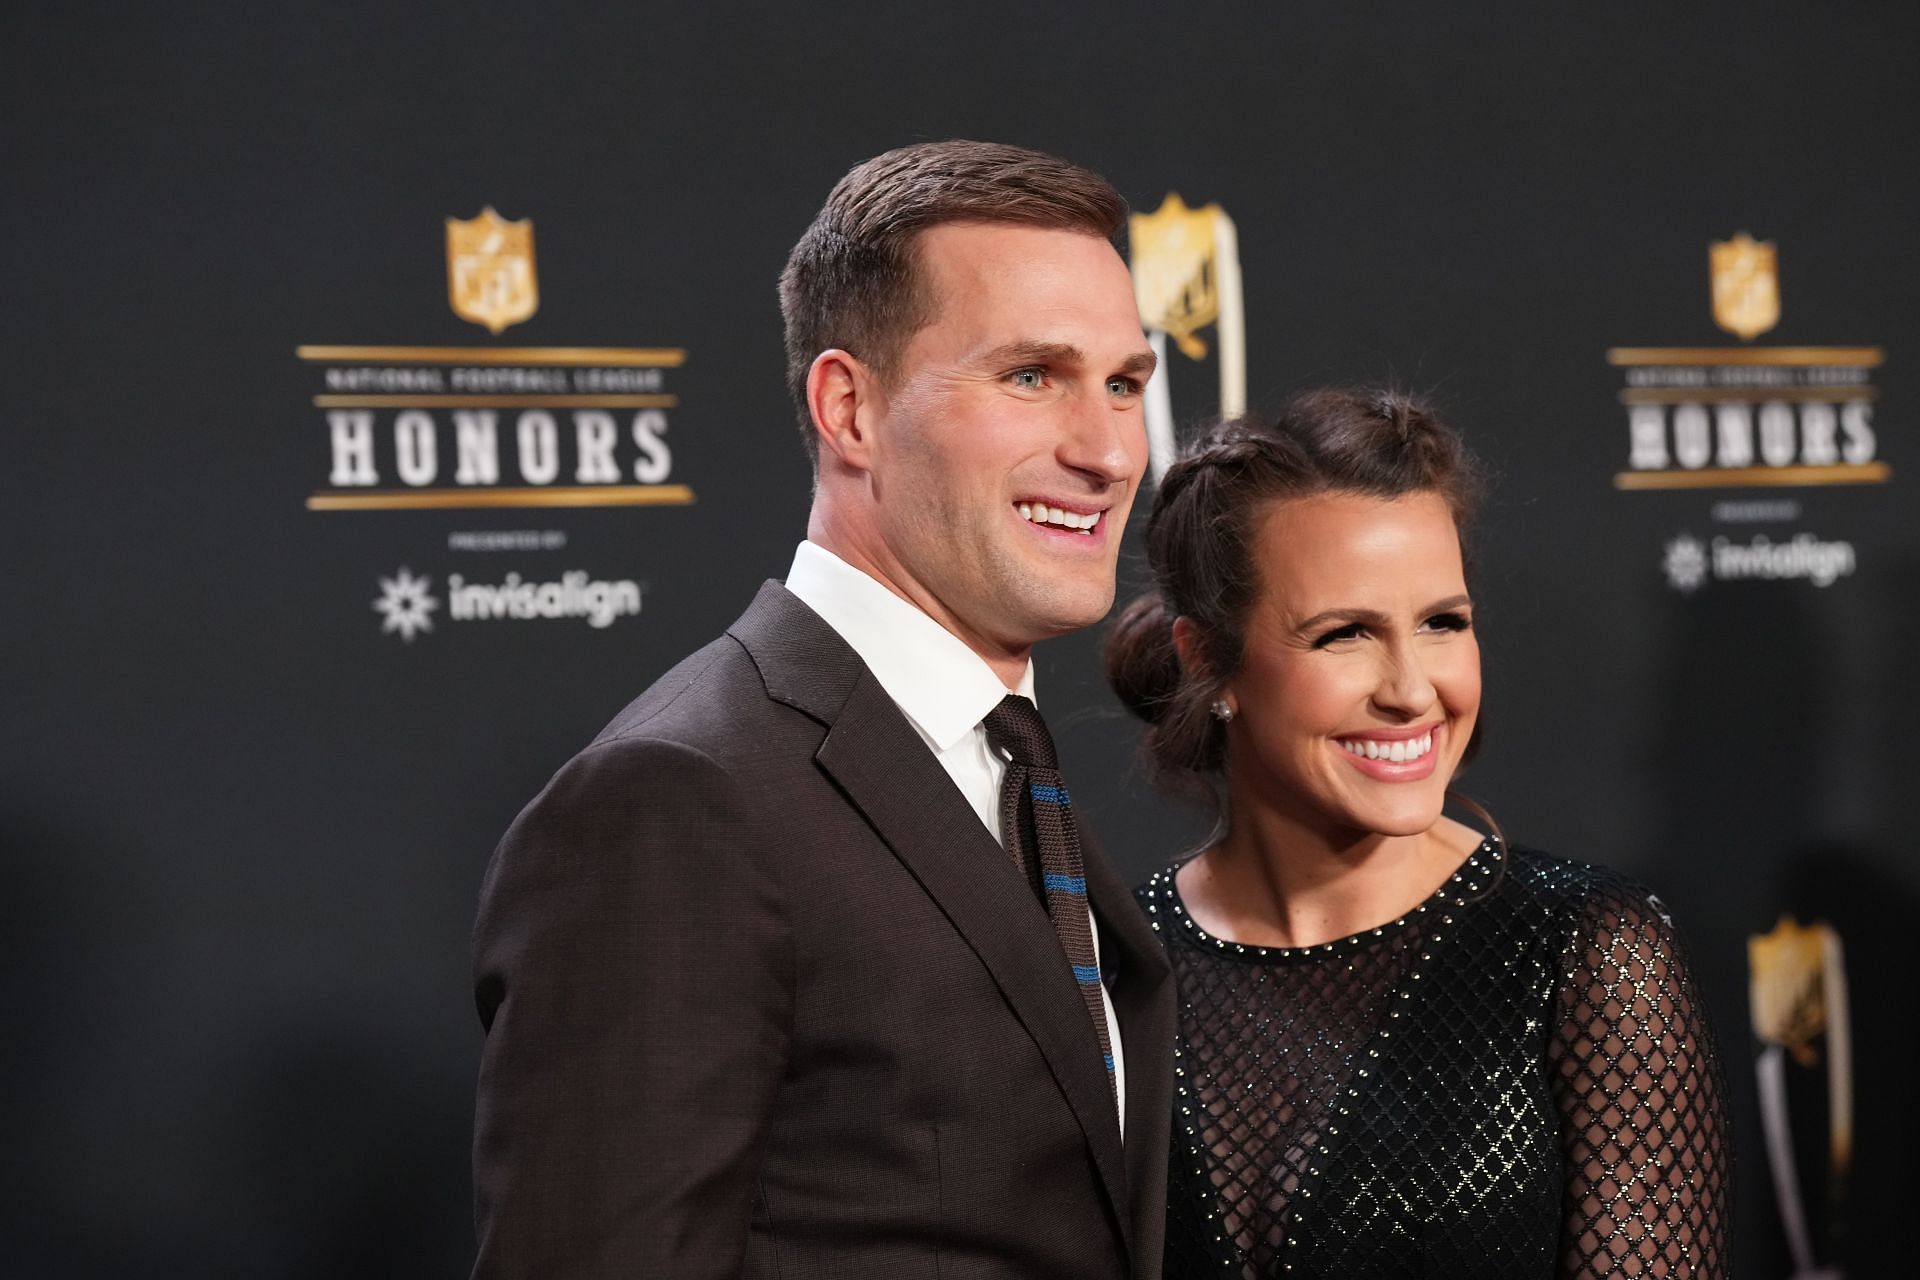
(1799,1006)
(1186,276)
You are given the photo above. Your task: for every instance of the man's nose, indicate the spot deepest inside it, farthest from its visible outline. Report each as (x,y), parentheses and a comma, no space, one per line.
(1103,440)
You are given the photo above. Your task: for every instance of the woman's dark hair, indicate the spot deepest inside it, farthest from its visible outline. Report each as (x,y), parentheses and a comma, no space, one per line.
(1200,536)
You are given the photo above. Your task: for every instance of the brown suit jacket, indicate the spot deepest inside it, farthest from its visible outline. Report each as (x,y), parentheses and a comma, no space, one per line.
(764,998)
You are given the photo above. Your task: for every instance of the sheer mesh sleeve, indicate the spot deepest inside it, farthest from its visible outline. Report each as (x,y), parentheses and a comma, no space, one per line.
(1643,1129)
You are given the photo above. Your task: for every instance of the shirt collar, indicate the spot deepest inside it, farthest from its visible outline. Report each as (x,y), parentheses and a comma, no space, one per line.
(942,686)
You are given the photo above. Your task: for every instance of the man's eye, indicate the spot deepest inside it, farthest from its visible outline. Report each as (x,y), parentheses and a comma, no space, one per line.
(1029,379)
(1122,387)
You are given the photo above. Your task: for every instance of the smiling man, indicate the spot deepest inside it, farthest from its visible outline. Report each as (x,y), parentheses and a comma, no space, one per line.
(805,967)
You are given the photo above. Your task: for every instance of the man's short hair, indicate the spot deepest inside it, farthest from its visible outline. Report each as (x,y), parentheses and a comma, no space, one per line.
(854,280)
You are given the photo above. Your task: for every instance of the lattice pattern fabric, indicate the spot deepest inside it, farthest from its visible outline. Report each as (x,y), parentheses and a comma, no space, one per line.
(1515,1079)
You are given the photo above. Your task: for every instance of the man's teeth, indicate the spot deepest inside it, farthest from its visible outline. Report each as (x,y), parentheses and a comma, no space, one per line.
(1041,513)
(1397,752)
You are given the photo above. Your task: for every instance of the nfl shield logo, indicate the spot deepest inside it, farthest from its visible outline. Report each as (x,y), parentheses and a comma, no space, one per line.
(490,277)
(1186,276)
(1746,286)
(1176,271)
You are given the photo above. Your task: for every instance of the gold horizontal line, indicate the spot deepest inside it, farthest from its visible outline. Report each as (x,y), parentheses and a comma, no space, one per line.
(1757,477)
(503,400)
(1751,395)
(610,495)
(636,357)
(1857,357)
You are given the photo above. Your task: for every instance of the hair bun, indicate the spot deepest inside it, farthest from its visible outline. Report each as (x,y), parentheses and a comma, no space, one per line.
(1143,665)
(1398,410)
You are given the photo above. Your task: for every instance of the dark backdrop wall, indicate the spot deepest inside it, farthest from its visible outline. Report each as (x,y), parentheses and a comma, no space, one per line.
(245,812)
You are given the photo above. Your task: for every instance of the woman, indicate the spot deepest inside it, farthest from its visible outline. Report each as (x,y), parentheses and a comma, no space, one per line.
(1406,1049)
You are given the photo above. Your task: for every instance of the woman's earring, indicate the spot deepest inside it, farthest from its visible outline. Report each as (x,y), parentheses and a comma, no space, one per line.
(1221,711)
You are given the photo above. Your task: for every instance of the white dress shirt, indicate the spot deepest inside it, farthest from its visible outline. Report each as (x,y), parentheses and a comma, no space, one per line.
(942,687)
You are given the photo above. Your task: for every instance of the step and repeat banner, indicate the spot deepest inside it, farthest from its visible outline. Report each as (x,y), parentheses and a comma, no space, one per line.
(392,393)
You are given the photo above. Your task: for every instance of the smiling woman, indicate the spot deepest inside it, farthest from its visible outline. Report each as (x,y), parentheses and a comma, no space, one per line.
(1406,1048)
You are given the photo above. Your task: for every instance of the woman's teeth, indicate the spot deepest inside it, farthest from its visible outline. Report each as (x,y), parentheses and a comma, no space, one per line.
(1041,513)
(1396,752)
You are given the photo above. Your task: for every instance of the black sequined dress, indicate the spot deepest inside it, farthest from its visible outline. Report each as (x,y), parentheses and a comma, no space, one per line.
(1513,1080)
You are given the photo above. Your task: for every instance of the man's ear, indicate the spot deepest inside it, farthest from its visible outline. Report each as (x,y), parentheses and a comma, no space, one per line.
(841,393)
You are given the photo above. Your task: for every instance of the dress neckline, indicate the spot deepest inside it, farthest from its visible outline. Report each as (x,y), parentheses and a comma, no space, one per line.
(1472,880)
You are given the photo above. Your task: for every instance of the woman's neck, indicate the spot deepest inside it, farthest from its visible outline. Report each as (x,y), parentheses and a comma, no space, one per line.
(1275,881)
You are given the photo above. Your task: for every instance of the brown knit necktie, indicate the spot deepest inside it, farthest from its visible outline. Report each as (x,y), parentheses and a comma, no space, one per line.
(1037,818)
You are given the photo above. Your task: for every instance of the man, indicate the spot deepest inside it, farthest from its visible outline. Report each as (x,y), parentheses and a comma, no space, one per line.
(792,971)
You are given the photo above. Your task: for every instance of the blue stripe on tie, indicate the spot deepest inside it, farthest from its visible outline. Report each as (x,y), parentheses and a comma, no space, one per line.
(1076,885)
(1050,795)
(1086,974)
(1109,1061)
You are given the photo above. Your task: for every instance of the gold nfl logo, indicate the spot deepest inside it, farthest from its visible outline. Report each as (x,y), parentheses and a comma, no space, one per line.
(1746,286)
(490,278)
(1175,272)
(1186,276)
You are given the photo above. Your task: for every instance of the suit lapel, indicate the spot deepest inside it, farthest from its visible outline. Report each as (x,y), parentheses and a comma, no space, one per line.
(887,771)
(1143,1001)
